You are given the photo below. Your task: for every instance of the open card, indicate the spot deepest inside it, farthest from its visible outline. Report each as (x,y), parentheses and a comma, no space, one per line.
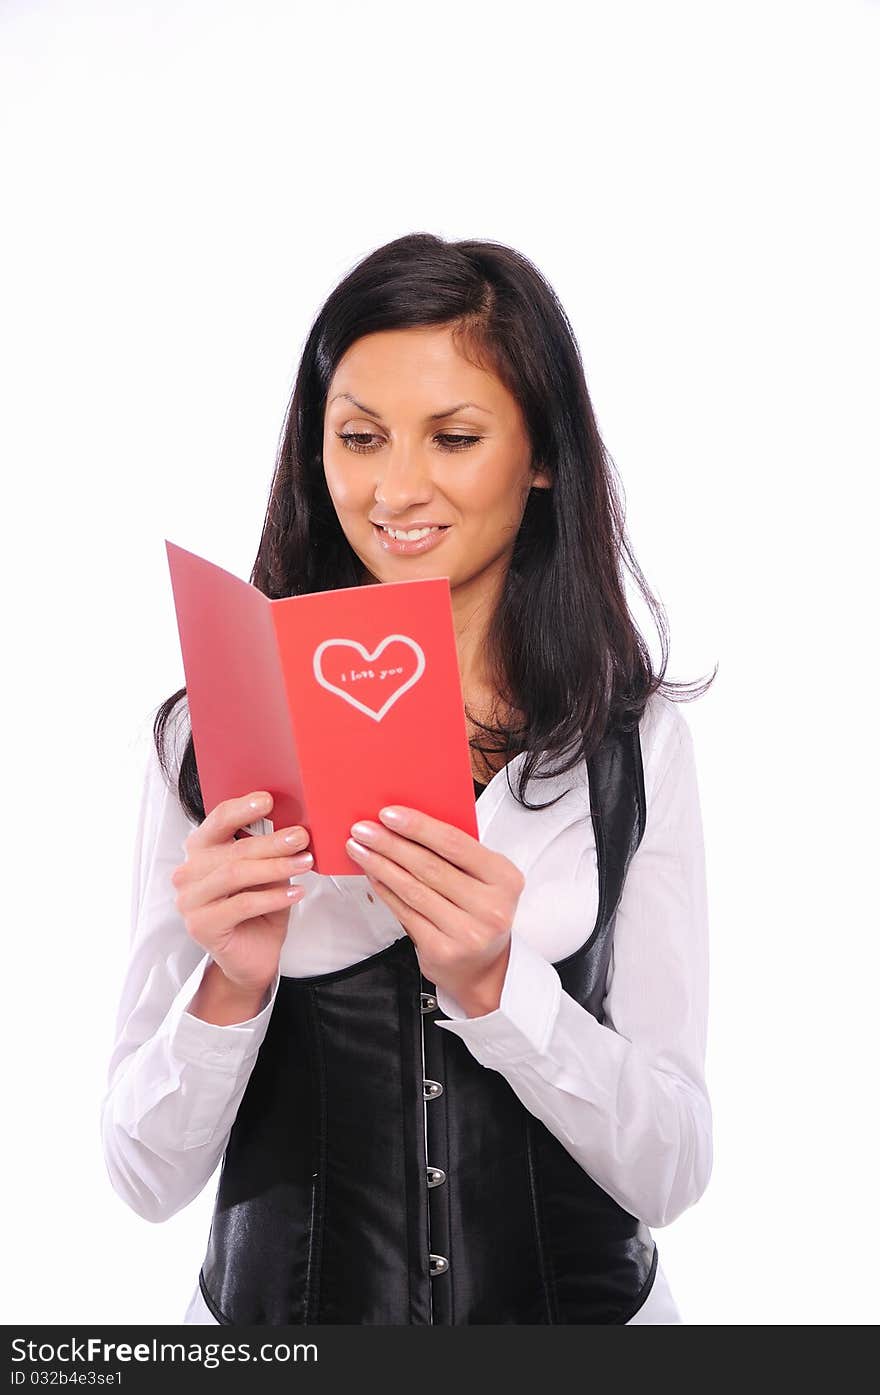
(335,702)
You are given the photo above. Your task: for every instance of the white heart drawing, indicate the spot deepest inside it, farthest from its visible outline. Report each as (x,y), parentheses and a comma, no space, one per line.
(369,658)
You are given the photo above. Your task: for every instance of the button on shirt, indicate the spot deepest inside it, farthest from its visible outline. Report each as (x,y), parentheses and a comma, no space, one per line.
(627,1098)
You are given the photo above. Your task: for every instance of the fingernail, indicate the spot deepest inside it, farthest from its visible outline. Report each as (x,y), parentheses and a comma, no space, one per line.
(391,815)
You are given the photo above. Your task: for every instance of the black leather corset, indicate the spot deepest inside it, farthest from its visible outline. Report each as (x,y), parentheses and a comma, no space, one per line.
(377,1173)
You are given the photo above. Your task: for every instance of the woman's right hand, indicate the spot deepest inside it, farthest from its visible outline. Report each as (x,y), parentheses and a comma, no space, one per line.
(234,893)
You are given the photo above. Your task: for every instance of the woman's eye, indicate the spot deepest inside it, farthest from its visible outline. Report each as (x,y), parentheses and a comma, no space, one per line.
(354,440)
(459,442)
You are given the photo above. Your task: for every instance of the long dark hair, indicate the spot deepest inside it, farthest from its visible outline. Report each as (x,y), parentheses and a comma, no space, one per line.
(566,653)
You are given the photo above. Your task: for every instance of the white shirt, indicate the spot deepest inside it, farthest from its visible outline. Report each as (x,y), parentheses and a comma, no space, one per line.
(627,1098)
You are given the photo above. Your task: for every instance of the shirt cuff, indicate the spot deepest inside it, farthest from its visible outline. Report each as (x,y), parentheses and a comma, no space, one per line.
(521,1026)
(201,1043)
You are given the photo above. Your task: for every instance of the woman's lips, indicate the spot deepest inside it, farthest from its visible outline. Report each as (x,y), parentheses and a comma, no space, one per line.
(400,548)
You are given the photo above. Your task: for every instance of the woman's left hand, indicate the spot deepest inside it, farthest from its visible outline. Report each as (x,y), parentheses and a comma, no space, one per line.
(455,898)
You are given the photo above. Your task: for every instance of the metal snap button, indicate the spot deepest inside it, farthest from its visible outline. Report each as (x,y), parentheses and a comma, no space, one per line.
(429,1002)
(439,1264)
(436,1175)
(433,1088)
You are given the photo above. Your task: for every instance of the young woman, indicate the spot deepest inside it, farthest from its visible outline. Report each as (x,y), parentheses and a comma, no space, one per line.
(508,1167)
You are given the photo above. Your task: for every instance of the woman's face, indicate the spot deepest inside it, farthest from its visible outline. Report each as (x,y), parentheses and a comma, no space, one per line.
(415,454)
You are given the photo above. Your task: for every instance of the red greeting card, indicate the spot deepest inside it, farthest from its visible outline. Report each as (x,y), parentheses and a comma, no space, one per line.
(335,702)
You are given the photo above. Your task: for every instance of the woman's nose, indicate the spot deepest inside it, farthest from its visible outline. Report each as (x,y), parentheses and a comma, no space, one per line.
(405,480)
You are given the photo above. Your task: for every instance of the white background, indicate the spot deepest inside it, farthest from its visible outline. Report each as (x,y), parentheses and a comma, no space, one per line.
(182,186)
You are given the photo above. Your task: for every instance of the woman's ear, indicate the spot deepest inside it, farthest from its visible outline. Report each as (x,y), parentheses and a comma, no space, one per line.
(541,479)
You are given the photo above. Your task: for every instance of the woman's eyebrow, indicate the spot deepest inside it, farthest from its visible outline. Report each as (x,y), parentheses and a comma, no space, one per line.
(434,416)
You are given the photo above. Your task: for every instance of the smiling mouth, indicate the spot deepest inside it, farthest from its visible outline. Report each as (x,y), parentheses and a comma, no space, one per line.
(422,532)
(410,547)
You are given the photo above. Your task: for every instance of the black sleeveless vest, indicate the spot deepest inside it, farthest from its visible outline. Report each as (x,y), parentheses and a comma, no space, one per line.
(377,1173)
